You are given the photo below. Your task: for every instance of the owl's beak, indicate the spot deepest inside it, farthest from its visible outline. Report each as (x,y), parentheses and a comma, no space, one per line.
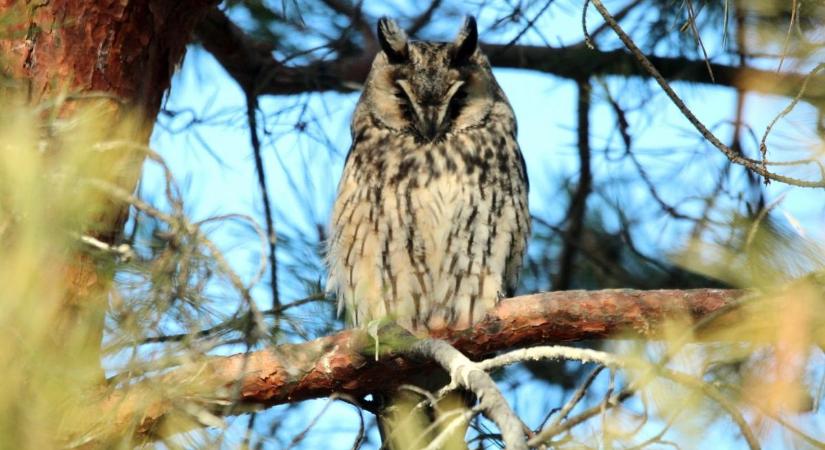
(431,121)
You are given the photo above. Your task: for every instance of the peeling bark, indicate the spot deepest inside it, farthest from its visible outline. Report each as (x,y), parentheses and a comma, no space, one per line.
(125,48)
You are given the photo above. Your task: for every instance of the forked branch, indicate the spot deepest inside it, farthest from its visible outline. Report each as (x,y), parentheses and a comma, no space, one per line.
(339,364)
(472,377)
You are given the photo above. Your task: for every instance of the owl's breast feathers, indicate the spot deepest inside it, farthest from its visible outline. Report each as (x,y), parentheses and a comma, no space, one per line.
(430,234)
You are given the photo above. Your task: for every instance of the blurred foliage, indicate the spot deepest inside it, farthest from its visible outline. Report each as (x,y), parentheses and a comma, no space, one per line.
(62,166)
(52,169)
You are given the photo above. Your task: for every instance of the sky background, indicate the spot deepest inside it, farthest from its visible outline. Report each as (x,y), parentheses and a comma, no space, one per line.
(206,144)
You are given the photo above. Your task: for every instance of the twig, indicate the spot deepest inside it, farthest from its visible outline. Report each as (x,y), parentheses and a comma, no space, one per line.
(590,36)
(302,434)
(181,223)
(262,264)
(362,432)
(692,23)
(575,398)
(523,31)
(605,404)
(578,202)
(472,377)
(231,323)
(584,355)
(658,437)
(251,111)
(606,359)
(452,426)
(727,151)
(355,13)
(547,433)
(794,17)
(123,252)
(778,419)
(250,426)
(763,148)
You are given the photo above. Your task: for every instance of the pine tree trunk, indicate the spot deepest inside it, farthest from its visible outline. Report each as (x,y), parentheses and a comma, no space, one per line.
(121,52)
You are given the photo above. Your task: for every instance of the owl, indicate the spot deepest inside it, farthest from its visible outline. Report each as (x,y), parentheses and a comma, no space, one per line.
(430,222)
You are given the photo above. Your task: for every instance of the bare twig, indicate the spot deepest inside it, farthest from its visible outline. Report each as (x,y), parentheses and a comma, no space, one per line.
(711,392)
(732,155)
(695,30)
(584,355)
(452,425)
(575,398)
(608,360)
(526,28)
(590,36)
(234,323)
(123,252)
(251,114)
(547,433)
(181,223)
(577,210)
(355,13)
(262,263)
(612,361)
(472,377)
(763,148)
(794,17)
(362,432)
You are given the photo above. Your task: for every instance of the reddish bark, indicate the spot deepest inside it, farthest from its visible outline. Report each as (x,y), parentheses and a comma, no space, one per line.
(126,49)
(344,363)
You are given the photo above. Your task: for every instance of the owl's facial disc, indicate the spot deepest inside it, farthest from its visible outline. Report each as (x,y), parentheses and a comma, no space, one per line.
(429,89)
(431,116)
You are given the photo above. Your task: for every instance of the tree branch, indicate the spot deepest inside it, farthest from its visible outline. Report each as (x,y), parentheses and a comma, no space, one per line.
(342,363)
(252,65)
(244,58)
(758,167)
(578,61)
(470,376)
(577,210)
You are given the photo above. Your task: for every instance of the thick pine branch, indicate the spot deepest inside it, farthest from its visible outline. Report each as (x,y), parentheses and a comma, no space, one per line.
(343,363)
(251,64)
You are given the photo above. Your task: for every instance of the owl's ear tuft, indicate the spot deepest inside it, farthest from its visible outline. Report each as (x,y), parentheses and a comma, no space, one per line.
(466,42)
(393,40)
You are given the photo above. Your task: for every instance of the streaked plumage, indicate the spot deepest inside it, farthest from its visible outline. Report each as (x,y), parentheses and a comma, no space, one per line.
(431,220)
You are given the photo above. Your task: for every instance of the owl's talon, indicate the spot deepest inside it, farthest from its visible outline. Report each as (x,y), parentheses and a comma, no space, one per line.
(373,326)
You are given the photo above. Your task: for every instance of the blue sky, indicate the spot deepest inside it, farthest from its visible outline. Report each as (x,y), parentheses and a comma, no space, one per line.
(213,160)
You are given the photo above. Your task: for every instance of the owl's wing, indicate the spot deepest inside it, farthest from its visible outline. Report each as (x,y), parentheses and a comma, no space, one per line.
(513,264)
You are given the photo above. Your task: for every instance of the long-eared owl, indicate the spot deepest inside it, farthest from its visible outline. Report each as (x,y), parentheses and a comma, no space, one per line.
(431,219)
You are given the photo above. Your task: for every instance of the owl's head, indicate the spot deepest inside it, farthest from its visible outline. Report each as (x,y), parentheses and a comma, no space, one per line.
(428,89)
